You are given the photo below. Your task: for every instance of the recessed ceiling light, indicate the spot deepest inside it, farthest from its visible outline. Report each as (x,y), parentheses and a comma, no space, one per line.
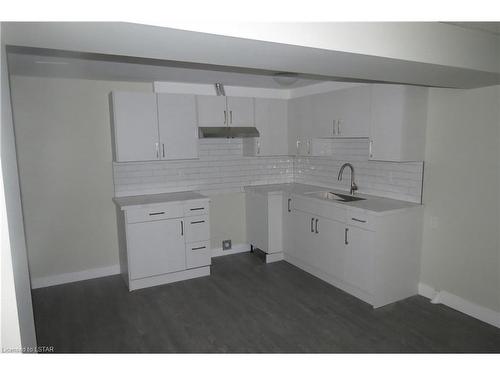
(52,62)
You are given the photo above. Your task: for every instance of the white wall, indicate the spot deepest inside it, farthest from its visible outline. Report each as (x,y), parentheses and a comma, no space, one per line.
(64,149)
(461,195)
(17,324)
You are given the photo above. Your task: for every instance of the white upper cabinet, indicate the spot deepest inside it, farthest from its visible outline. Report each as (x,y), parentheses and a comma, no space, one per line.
(300,131)
(177,125)
(147,126)
(398,122)
(341,113)
(241,111)
(353,119)
(212,110)
(135,126)
(271,122)
(225,111)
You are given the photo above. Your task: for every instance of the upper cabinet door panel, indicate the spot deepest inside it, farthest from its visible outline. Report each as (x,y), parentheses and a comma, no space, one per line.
(398,122)
(325,110)
(178,129)
(354,112)
(135,126)
(212,110)
(271,122)
(241,111)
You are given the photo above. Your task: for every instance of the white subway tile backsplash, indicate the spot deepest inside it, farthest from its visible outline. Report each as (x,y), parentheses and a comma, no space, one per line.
(221,168)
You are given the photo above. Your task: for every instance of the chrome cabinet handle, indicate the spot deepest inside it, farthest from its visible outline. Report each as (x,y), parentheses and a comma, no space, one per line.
(289,201)
(309,147)
(316,227)
(312,224)
(345,236)
(333,127)
(163,147)
(230,117)
(258,147)
(157,148)
(338,127)
(225,117)
(156,213)
(198,248)
(358,220)
(197,209)
(182,228)
(371,152)
(297,145)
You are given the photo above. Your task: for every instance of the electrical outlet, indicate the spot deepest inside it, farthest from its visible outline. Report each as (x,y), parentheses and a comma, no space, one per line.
(226,245)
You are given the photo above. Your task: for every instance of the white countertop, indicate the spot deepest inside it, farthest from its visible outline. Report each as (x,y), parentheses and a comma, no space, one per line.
(371,203)
(148,199)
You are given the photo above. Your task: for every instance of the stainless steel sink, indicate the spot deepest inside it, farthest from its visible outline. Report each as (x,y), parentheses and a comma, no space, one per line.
(329,195)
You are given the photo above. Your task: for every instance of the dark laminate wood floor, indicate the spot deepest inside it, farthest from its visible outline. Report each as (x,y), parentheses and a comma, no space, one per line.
(246,306)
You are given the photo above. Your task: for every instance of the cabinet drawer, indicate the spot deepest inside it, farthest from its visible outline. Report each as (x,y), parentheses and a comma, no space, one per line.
(360,219)
(197,228)
(198,254)
(196,208)
(156,212)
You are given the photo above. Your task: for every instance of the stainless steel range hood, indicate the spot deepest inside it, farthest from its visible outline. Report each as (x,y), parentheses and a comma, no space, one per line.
(228,132)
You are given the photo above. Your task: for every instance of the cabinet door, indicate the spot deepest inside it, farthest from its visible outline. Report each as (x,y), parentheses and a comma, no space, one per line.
(353,112)
(301,236)
(325,112)
(358,270)
(177,124)
(241,111)
(386,122)
(211,110)
(155,248)
(330,253)
(300,119)
(271,122)
(398,122)
(135,126)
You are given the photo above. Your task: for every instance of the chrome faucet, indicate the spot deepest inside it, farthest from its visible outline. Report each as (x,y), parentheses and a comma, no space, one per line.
(354,187)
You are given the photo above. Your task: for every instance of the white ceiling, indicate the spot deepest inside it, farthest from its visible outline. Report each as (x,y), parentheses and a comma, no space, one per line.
(70,67)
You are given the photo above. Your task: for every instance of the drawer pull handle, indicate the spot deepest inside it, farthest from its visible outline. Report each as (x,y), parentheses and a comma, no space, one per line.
(198,222)
(312,225)
(182,228)
(197,209)
(156,213)
(345,236)
(358,220)
(199,248)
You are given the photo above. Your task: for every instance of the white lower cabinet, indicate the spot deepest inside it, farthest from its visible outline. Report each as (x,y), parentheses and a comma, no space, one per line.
(164,243)
(373,257)
(330,255)
(155,248)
